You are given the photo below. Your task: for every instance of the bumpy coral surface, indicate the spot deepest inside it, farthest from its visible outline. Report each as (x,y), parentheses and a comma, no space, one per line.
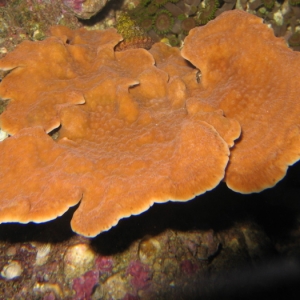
(138,127)
(239,79)
(126,139)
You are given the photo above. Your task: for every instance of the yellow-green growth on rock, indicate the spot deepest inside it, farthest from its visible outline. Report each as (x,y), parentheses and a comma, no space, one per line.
(128,28)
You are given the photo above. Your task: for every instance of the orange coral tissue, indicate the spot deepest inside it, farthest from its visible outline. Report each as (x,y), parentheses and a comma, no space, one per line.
(137,127)
(253,77)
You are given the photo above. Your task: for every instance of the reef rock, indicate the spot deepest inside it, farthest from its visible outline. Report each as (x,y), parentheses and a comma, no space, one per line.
(85,9)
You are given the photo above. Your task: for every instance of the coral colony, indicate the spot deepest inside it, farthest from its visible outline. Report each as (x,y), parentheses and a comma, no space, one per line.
(137,127)
(172,19)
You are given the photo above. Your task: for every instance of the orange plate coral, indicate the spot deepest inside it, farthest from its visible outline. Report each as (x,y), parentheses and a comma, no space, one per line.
(126,139)
(138,127)
(253,78)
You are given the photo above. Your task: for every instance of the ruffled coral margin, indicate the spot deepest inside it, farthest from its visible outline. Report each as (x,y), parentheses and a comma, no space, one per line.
(138,127)
(126,139)
(265,103)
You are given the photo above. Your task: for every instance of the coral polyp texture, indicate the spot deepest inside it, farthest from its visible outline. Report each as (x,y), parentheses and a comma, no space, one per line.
(163,21)
(125,140)
(207,11)
(138,127)
(169,19)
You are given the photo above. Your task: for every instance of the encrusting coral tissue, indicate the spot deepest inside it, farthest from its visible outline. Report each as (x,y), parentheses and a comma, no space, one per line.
(138,127)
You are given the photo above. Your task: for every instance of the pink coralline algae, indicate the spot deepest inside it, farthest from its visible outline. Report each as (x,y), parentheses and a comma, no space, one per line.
(140,273)
(75,5)
(84,9)
(84,285)
(49,296)
(104,264)
(188,268)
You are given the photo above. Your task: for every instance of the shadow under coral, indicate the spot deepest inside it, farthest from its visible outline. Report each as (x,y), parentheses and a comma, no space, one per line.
(275,210)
